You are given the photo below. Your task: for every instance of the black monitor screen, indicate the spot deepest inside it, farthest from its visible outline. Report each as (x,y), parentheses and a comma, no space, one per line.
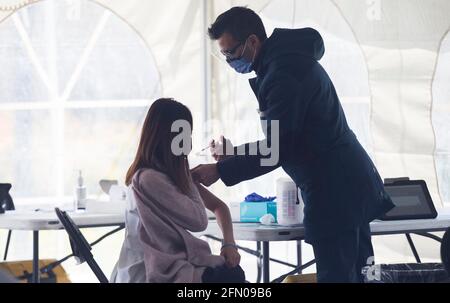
(411,201)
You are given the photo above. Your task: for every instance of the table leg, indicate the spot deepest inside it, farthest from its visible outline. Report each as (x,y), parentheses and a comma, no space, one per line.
(266,260)
(36,273)
(299,255)
(258,264)
(8,239)
(413,248)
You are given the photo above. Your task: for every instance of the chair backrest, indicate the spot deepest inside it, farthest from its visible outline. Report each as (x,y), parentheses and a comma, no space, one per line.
(445,250)
(80,246)
(6,202)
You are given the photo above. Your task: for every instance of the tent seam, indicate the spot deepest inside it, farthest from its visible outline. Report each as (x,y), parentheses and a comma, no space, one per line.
(438,53)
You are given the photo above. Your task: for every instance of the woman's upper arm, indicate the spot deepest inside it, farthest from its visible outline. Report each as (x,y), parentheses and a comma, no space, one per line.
(186,211)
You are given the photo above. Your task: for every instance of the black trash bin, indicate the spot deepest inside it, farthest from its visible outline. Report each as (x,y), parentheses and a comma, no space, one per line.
(405,273)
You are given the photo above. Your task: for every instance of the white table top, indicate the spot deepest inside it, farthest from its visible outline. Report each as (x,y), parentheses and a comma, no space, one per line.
(259,232)
(47,219)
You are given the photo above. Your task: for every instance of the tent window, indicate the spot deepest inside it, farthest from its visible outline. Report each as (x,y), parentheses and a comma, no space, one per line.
(76,82)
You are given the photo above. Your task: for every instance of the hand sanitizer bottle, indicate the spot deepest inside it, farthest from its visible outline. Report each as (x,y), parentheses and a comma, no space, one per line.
(80,192)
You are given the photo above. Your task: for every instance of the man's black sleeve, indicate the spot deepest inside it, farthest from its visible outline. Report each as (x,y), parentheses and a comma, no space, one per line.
(283,105)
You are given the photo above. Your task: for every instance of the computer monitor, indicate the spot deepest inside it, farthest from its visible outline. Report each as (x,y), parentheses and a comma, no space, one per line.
(412,200)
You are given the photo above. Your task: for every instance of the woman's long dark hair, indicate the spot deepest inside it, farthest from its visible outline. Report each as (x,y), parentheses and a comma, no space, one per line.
(154,150)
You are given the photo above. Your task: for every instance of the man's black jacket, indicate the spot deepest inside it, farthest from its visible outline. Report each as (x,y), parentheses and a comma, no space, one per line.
(340,185)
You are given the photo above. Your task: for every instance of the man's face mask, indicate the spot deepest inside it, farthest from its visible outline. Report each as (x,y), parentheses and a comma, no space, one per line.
(240,64)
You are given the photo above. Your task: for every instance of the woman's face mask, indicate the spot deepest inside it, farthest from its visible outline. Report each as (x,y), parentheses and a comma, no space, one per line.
(240,64)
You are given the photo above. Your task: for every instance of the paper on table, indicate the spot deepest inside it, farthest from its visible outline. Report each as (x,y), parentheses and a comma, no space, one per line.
(94,206)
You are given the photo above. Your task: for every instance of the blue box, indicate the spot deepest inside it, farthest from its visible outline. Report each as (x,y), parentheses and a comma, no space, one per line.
(253,211)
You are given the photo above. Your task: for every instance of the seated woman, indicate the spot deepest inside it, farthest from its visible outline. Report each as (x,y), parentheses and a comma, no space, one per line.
(165,206)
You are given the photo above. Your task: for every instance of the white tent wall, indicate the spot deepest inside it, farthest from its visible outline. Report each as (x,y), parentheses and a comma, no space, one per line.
(174,32)
(401,42)
(441,117)
(4,14)
(401,45)
(389,60)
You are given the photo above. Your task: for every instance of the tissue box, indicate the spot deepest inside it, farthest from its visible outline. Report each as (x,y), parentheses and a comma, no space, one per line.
(253,211)
(235,211)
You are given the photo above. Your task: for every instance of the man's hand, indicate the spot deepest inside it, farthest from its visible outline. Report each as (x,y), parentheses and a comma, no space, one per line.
(231,255)
(219,149)
(205,174)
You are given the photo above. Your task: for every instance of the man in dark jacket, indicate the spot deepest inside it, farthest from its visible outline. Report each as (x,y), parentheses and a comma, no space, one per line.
(340,185)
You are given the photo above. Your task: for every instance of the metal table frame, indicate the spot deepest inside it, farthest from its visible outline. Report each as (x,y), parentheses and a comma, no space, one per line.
(36,271)
(262,251)
(264,259)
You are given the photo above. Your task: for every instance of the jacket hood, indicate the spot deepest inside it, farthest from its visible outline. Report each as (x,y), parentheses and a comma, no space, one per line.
(305,42)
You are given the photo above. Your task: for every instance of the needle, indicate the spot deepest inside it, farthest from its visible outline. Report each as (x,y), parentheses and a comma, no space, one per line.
(199,152)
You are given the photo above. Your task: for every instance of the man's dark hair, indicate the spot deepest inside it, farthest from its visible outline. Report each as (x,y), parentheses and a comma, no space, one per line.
(240,22)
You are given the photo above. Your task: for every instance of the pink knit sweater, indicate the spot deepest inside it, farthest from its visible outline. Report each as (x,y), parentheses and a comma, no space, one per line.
(171,252)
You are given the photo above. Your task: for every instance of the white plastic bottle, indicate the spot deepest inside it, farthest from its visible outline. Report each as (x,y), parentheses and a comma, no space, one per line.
(289,203)
(80,192)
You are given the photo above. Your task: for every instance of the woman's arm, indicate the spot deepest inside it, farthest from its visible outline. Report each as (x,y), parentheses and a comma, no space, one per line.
(220,209)
(155,191)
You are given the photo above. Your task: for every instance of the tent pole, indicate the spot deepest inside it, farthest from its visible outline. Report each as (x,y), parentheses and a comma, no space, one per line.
(206,70)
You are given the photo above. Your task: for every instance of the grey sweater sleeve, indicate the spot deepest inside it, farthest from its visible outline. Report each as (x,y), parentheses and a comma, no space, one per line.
(155,190)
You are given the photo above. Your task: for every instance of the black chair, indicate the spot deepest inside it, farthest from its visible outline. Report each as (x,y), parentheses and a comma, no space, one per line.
(80,246)
(6,203)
